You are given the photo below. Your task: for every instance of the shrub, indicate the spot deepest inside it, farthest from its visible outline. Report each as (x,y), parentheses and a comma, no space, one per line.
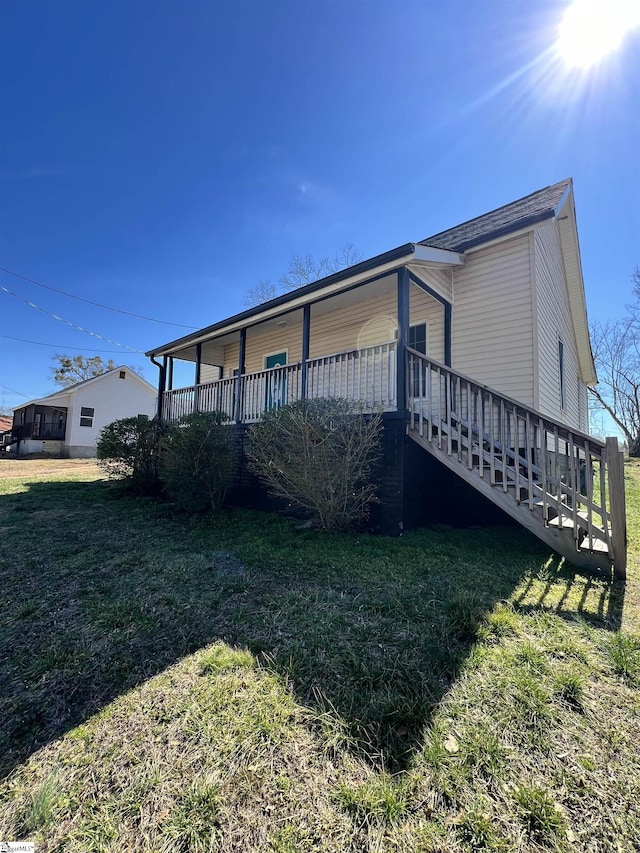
(319,455)
(195,461)
(127,449)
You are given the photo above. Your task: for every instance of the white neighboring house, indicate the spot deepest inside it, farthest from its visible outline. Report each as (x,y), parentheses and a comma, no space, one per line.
(68,422)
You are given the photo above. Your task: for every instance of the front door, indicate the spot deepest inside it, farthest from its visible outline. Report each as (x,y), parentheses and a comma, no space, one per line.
(276,387)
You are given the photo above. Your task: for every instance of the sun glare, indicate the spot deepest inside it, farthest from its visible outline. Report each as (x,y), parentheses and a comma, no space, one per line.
(592,29)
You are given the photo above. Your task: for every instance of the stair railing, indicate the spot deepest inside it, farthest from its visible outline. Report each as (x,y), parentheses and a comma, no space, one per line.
(576,480)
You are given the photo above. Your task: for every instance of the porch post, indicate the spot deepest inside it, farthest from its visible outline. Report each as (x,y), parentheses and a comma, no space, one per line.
(241,357)
(403,337)
(306,328)
(198,362)
(447,334)
(617,507)
(196,390)
(170,374)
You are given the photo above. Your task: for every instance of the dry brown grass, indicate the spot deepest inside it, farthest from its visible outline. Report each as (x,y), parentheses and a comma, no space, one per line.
(42,468)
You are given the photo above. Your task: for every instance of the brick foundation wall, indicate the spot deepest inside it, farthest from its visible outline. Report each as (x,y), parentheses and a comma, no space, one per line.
(415,490)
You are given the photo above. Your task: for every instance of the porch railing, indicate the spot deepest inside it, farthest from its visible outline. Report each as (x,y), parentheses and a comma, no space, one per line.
(39,430)
(367,375)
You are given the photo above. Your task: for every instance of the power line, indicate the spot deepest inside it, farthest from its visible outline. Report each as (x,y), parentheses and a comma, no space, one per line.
(68,322)
(58,346)
(95,304)
(13,390)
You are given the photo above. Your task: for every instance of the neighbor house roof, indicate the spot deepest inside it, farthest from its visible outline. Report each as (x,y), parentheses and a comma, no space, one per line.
(57,396)
(536,207)
(6,422)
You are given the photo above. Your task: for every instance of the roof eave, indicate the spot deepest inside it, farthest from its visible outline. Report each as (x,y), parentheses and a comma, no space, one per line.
(569,242)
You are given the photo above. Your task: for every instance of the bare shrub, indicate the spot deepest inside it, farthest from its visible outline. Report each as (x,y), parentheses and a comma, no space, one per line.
(195,461)
(319,455)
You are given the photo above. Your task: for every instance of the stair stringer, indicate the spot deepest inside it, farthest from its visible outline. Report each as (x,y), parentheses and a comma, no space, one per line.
(561,540)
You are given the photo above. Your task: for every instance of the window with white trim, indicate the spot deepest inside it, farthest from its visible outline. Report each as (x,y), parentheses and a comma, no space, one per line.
(87,415)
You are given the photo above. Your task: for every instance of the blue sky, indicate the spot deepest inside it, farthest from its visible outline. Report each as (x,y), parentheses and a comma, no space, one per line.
(164,157)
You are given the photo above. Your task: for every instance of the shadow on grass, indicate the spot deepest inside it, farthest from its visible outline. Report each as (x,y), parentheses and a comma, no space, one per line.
(600,605)
(101,592)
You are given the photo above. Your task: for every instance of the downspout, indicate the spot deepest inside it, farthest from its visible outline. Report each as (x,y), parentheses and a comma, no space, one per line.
(161,381)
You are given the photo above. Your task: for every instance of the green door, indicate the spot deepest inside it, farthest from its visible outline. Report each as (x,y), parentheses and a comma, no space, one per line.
(276,381)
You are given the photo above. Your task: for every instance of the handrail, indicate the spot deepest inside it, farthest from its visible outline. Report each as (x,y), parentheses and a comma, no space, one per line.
(546,463)
(506,398)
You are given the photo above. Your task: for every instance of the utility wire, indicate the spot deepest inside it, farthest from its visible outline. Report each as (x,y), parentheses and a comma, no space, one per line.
(68,322)
(13,390)
(58,346)
(95,304)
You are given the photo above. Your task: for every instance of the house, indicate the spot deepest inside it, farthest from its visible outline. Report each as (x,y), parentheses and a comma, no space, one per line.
(473,342)
(68,422)
(5,431)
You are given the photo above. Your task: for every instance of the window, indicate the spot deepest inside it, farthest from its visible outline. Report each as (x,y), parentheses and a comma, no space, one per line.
(418,341)
(86,416)
(418,338)
(561,371)
(122,374)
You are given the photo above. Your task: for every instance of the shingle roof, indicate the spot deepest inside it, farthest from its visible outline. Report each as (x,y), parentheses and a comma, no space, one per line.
(525,211)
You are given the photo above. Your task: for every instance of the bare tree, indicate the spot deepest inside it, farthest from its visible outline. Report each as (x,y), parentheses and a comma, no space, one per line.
(76,368)
(303,269)
(262,292)
(616,350)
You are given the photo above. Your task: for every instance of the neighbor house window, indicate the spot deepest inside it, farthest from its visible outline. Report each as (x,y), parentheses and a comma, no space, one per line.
(86,416)
(561,370)
(122,374)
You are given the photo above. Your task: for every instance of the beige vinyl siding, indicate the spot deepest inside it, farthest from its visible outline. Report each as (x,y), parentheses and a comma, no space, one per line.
(374,321)
(266,340)
(209,373)
(439,280)
(424,309)
(369,319)
(554,323)
(492,323)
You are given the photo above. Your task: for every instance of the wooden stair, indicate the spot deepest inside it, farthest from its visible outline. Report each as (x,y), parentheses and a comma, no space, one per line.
(565,487)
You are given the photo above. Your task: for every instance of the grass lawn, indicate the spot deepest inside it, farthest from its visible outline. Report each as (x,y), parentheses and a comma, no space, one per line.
(231,683)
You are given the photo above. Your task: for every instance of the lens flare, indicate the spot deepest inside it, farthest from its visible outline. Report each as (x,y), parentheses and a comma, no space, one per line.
(592,29)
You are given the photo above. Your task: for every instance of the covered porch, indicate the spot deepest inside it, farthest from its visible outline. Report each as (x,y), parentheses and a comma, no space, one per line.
(40,422)
(347,342)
